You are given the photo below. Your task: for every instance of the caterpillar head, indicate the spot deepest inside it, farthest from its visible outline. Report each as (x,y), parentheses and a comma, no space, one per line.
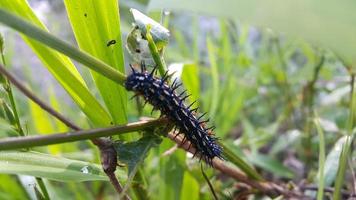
(134,81)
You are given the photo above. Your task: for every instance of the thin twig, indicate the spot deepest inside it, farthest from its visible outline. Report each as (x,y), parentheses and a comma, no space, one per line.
(107,151)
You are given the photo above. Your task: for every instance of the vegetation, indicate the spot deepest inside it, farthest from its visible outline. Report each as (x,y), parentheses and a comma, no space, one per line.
(284,109)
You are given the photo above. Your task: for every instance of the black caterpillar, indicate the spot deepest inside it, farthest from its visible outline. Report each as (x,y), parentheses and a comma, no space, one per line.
(163,97)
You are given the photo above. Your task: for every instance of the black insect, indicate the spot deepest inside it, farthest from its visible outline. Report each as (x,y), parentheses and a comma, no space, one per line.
(163,97)
(111,42)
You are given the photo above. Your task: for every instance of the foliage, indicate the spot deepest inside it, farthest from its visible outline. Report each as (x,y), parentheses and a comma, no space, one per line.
(284,110)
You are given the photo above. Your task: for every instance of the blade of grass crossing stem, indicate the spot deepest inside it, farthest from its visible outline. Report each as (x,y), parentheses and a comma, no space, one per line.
(321,159)
(340,177)
(332,161)
(346,148)
(214,76)
(240,163)
(60,66)
(96,27)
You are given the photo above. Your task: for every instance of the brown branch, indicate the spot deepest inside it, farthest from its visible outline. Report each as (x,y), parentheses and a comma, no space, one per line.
(269,188)
(344,193)
(35,99)
(107,151)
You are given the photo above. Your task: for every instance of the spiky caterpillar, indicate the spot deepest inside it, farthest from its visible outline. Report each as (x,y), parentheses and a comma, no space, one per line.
(163,97)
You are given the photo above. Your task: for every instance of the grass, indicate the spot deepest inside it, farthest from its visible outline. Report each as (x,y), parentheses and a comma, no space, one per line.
(260,90)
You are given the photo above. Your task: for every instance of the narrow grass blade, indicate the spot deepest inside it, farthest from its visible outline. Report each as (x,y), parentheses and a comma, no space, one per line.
(46,38)
(50,167)
(60,66)
(190,79)
(190,188)
(96,26)
(340,177)
(332,161)
(214,76)
(347,147)
(240,163)
(321,159)
(43,124)
(270,164)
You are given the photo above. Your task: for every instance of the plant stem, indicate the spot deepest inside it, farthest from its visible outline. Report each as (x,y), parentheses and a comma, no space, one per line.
(352,114)
(8,89)
(57,138)
(161,64)
(49,40)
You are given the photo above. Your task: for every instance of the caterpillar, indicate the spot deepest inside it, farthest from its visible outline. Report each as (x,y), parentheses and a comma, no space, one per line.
(164,97)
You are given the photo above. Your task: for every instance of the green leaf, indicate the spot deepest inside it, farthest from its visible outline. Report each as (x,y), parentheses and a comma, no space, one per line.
(343,161)
(134,153)
(270,164)
(321,159)
(190,79)
(60,66)
(182,44)
(190,189)
(43,124)
(332,161)
(12,189)
(286,141)
(230,108)
(7,129)
(214,77)
(240,163)
(328,23)
(159,33)
(41,119)
(50,167)
(59,126)
(171,171)
(96,27)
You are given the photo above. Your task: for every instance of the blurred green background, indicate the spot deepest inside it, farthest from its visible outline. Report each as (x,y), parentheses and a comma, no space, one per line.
(274,78)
